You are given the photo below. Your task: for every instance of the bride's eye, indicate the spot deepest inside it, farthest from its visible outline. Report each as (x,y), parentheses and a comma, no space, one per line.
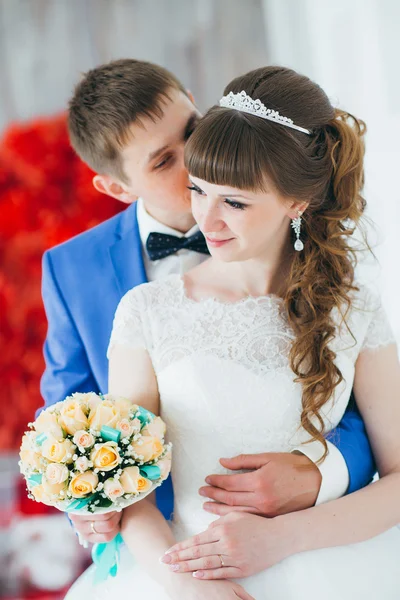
(235,205)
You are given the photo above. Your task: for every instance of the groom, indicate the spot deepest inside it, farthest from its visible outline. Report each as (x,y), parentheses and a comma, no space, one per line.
(129,121)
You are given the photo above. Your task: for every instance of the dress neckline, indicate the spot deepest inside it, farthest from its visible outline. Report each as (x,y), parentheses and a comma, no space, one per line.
(267,299)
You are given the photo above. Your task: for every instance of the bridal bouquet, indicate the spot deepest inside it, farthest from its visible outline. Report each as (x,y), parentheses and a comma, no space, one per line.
(92,454)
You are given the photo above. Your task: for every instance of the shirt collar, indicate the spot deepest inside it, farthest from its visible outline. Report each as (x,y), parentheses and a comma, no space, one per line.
(147,224)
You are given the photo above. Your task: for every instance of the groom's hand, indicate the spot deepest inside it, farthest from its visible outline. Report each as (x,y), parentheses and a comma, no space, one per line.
(276,484)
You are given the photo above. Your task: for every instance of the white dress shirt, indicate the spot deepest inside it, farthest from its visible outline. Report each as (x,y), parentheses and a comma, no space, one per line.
(175,264)
(334,472)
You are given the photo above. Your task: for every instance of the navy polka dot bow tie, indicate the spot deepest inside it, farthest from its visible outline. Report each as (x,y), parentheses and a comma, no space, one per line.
(161,245)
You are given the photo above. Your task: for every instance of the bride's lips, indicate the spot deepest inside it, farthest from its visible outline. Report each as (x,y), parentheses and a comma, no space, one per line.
(216,243)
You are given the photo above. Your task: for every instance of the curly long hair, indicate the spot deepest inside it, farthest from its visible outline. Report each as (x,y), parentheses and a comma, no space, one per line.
(325,169)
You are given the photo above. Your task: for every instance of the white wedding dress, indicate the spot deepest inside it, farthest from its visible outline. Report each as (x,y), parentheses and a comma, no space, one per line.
(226,388)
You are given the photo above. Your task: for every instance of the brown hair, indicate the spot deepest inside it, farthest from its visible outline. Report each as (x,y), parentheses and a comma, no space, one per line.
(107,101)
(325,169)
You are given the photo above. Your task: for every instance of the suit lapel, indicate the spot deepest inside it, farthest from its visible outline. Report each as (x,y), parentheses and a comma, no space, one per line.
(126,252)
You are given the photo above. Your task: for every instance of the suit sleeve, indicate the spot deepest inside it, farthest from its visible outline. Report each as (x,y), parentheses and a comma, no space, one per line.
(351,439)
(67,367)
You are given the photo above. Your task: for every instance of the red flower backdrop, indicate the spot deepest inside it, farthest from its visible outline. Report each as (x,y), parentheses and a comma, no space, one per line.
(46,197)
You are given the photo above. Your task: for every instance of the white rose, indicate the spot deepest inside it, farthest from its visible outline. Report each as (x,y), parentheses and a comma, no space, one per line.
(164,464)
(82,464)
(155,429)
(56,473)
(125,427)
(83,439)
(113,489)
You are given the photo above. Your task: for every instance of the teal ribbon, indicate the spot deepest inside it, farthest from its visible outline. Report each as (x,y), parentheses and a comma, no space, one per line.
(152,472)
(35,479)
(79,503)
(41,438)
(144,416)
(109,434)
(106,558)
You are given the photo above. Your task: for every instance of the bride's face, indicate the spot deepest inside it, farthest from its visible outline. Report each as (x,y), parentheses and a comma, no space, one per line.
(241,225)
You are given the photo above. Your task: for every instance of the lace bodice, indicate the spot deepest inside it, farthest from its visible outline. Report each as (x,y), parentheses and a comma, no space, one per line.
(254,332)
(224,375)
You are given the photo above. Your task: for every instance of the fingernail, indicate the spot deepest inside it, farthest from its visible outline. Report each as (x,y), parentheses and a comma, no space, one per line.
(207,480)
(202,492)
(174,567)
(166,559)
(198,574)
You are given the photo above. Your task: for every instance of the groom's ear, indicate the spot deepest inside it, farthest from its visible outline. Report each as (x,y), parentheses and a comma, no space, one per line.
(190,95)
(106,185)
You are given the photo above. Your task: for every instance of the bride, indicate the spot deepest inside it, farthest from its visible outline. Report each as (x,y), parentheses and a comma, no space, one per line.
(260,346)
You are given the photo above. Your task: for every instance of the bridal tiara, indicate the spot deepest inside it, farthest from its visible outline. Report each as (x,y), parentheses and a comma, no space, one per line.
(244,103)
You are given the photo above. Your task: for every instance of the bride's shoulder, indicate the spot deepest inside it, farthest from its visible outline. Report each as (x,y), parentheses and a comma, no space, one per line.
(367,318)
(163,291)
(365,298)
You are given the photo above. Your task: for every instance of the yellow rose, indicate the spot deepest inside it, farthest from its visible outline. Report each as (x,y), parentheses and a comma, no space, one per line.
(164,464)
(125,406)
(40,496)
(148,447)
(83,484)
(72,416)
(59,452)
(155,429)
(29,457)
(104,414)
(90,400)
(132,482)
(48,422)
(144,484)
(105,456)
(129,478)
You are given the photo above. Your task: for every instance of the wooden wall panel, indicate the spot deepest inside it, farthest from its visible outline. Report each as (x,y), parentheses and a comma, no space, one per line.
(46,44)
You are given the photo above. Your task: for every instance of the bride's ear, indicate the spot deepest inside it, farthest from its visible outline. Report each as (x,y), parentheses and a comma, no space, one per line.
(106,185)
(296,208)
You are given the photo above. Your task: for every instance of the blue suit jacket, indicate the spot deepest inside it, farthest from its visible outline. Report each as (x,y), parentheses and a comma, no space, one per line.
(83,282)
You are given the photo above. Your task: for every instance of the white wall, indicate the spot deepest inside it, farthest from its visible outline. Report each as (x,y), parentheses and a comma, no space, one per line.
(352,49)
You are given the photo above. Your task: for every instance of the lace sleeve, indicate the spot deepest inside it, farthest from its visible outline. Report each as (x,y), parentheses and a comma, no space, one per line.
(128,326)
(379,332)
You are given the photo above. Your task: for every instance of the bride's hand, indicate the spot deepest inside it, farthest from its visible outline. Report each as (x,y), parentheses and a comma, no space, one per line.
(237,545)
(212,590)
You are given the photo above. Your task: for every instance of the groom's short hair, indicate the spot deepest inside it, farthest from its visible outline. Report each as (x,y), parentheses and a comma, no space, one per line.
(107,101)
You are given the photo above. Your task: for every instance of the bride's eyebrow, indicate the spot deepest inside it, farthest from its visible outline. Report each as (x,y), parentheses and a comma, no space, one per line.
(221,195)
(233,196)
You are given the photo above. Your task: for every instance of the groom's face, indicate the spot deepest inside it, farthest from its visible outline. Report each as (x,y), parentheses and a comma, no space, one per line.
(153,157)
